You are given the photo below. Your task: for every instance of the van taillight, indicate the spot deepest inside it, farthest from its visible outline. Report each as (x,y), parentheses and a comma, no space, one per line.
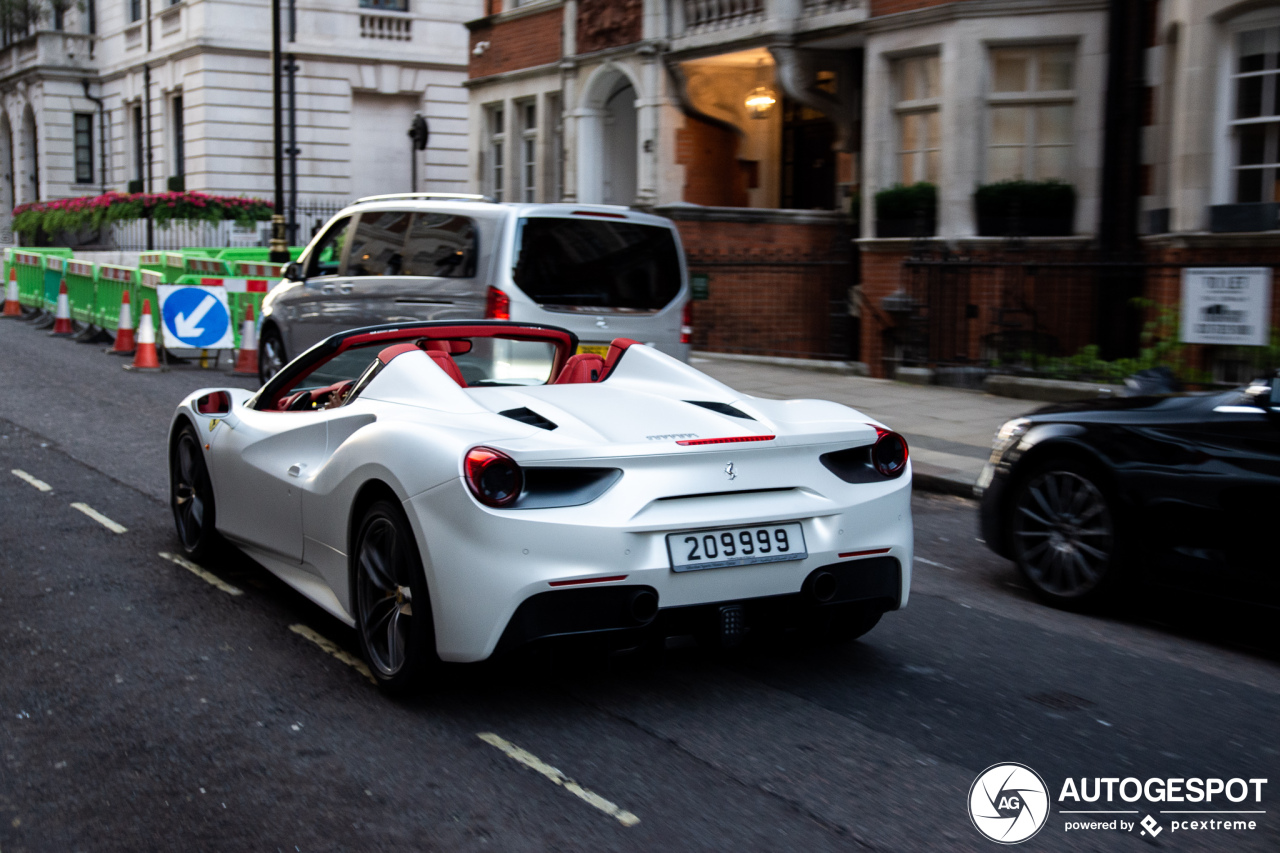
(497,305)
(686,323)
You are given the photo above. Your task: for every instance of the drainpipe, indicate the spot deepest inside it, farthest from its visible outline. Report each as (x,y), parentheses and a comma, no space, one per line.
(146,144)
(102,130)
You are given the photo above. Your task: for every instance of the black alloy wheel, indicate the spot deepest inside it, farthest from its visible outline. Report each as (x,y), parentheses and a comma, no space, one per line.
(393,611)
(1063,535)
(191,496)
(271,355)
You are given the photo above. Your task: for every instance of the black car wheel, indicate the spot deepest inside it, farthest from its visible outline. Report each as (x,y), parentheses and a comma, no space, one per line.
(271,355)
(393,611)
(1063,535)
(191,496)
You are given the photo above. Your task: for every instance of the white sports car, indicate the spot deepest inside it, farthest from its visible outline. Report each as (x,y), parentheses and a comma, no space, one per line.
(458,489)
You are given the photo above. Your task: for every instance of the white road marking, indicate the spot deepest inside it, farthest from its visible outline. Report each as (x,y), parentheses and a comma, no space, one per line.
(100,518)
(201,573)
(932,563)
(353,662)
(24,476)
(532,761)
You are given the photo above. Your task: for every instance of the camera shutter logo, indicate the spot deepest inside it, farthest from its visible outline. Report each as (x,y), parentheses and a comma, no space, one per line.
(1008,803)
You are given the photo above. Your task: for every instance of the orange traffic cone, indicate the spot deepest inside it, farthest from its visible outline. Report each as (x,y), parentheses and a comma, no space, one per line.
(62,327)
(145,357)
(247,357)
(124,332)
(12,308)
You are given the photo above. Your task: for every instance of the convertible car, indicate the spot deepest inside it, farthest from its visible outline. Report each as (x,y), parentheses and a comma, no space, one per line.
(459,489)
(1091,498)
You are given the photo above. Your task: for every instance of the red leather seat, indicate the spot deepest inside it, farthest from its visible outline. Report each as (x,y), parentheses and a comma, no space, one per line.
(583,367)
(616,349)
(448,365)
(394,350)
(438,352)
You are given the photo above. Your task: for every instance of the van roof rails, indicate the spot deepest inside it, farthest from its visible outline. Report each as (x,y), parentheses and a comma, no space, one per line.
(425,196)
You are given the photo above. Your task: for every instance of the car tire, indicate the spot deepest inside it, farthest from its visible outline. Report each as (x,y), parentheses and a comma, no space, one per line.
(191,496)
(392,606)
(1061,519)
(271,354)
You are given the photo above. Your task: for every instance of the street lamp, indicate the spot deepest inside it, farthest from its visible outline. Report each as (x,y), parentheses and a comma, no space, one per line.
(279,245)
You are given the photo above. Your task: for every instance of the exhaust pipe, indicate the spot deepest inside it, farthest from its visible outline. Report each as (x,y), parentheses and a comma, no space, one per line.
(642,606)
(823,587)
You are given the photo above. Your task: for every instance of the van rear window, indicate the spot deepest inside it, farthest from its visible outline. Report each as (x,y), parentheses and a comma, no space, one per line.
(590,264)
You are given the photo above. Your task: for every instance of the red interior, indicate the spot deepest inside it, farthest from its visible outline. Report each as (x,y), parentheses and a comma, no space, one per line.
(441,340)
(583,367)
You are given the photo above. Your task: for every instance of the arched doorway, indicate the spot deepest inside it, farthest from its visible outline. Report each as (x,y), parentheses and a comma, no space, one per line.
(608,150)
(620,146)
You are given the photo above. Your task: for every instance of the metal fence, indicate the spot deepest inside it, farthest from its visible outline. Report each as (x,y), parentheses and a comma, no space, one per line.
(143,235)
(961,315)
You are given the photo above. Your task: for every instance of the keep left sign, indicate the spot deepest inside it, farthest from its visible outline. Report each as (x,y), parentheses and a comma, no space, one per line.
(195,317)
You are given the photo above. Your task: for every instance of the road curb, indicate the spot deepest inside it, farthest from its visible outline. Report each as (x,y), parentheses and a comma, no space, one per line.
(942,484)
(844,368)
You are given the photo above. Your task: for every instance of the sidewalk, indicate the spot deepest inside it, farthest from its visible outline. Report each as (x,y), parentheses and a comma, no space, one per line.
(949,430)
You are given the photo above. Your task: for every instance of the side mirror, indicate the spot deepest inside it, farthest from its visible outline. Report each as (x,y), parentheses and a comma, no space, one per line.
(214,403)
(293,272)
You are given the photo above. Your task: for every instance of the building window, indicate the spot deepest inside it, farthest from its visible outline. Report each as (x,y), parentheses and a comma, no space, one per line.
(386,5)
(84,147)
(919,91)
(495,141)
(179,138)
(527,111)
(1032,114)
(1255,123)
(554,121)
(135,11)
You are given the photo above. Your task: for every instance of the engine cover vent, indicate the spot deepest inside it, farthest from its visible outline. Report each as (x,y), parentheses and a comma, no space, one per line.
(530,417)
(721,408)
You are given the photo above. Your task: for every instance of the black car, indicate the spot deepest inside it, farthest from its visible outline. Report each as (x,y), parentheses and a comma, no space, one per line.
(1177,490)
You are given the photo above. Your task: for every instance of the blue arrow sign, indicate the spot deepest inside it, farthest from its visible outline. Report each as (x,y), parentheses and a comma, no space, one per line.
(195,317)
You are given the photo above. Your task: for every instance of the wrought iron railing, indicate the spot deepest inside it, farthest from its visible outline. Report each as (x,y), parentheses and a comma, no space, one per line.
(708,15)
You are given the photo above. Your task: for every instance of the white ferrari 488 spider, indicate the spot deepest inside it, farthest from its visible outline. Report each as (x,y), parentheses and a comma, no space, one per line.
(459,489)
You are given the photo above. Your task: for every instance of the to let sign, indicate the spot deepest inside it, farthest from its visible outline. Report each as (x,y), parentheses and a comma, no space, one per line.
(1226,305)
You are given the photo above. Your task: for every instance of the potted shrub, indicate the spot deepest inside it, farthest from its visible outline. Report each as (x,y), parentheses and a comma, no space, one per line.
(1025,209)
(907,211)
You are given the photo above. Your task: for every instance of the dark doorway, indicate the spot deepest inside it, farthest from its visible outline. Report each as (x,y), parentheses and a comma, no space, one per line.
(808,160)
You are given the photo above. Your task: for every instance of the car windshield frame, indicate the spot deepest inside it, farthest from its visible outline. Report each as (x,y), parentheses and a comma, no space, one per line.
(377,338)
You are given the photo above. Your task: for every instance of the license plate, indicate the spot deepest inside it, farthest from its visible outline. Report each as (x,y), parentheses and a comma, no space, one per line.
(735,546)
(595,349)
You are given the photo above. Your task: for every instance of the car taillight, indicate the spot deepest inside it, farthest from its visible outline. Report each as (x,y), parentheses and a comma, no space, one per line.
(889,453)
(686,323)
(493,476)
(497,305)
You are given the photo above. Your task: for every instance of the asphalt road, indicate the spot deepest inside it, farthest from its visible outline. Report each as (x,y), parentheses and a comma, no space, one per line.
(142,707)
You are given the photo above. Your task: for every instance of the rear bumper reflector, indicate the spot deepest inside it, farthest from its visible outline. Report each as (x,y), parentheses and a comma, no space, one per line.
(579,581)
(864,553)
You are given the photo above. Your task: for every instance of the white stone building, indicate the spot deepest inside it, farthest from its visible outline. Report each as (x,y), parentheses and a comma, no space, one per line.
(182,90)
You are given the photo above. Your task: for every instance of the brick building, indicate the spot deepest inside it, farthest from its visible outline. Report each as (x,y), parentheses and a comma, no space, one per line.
(767,128)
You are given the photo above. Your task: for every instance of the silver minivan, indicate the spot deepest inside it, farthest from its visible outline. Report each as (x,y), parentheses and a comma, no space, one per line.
(600,271)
